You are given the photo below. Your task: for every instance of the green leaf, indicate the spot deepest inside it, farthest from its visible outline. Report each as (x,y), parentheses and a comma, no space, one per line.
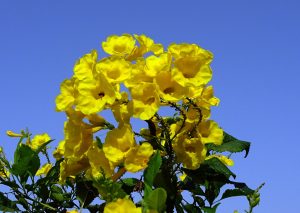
(152,169)
(156,200)
(233,193)
(6,205)
(211,209)
(26,162)
(230,144)
(99,142)
(57,193)
(190,208)
(129,184)
(219,167)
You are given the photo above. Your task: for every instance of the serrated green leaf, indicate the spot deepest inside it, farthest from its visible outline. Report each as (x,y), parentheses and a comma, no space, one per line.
(26,162)
(152,169)
(6,205)
(156,200)
(230,144)
(219,167)
(233,193)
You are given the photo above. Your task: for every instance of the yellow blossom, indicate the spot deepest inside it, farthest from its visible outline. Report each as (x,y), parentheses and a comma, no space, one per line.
(72,166)
(68,93)
(94,94)
(118,143)
(119,45)
(13,134)
(44,169)
(58,153)
(146,44)
(138,157)
(78,139)
(38,141)
(145,100)
(122,206)
(73,211)
(189,151)
(115,69)
(191,65)
(169,89)
(156,64)
(210,132)
(85,66)
(98,162)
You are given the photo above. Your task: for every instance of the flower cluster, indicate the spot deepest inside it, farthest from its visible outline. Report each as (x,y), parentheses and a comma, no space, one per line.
(135,80)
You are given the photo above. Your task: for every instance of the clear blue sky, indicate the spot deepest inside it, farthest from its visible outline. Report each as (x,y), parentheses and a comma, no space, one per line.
(256,45)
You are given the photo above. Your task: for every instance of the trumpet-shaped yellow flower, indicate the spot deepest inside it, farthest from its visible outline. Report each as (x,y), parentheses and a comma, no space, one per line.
(225,160)
(146,44)
(73,211)
(70,167)
(138,74)
(210,132)
(78,139)
(191,65)
(58,153)
(145,100)
(85,66)
(115,69)
(13,134)
(94,94)
(44,169)
(68,93)
(122,113)
(169,89)
(119,45)
(138,157)
(38,141)
(118,143)
(122,206)
(189,151)
(98,162)
(156,64)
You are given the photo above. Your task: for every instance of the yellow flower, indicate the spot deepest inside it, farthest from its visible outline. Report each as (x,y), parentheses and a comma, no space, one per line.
(71,167)
(138,74)
(94,94)
(38,141)
(115,69)
(122,206)
(78,139)
(85,66)
(68,93)
(146,45)
(210,132)
(156,64)
(169,89)
(122,113)
(189,151)
(44,169)
(118,143)
(99,162)
(13,134)
(59,151)
(191,65)
(145,100)
(119,45)
(225,160)
(138,157)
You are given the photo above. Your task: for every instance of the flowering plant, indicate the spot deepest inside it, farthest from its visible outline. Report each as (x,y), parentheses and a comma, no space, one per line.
(130,168)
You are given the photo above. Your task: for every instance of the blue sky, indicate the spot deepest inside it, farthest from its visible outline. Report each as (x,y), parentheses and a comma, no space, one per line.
(256,50)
